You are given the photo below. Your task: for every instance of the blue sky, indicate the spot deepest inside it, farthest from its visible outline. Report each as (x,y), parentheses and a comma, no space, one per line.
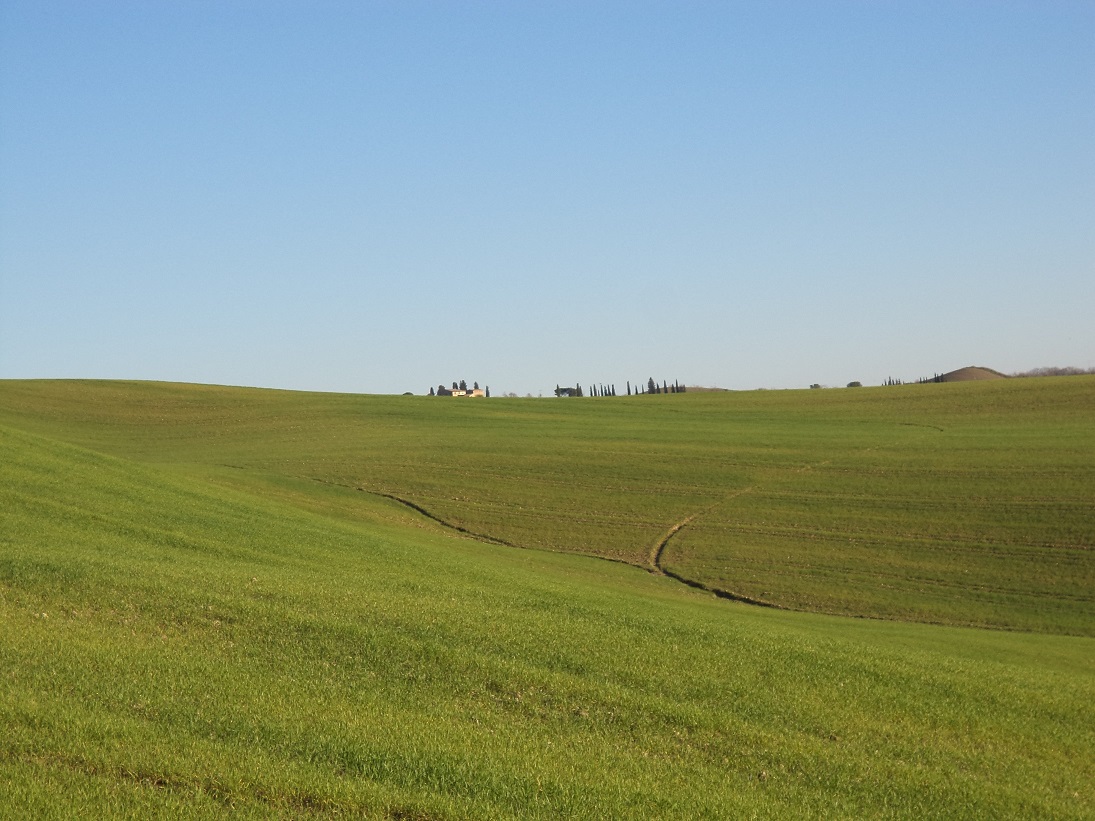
(378,197)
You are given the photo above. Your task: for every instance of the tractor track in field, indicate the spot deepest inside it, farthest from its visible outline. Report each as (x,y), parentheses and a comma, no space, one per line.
(481,537)
(463,531)
(417,508)
(656,566)
(654,562)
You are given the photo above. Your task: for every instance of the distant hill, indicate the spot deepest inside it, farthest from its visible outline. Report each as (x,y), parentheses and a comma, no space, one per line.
(972,373)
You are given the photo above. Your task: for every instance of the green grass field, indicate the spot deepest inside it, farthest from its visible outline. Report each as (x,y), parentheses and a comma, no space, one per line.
(209,603)
(955,504)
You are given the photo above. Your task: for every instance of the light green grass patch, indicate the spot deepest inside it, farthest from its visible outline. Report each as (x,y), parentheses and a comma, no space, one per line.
(173,647)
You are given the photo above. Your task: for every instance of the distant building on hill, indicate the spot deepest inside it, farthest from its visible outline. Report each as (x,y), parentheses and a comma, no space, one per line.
(443,391)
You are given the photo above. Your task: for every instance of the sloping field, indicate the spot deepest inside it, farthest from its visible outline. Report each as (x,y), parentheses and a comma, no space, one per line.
(173,648)
(960,504)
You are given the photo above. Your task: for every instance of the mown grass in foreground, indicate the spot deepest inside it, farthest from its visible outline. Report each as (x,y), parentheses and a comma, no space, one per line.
(169,648)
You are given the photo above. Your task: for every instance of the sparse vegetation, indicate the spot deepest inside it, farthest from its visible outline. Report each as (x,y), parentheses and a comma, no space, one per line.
(1066,371)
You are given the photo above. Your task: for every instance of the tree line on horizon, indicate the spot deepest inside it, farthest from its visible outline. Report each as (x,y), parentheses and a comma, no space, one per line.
(600,389)
(1057,371)
(1051,371)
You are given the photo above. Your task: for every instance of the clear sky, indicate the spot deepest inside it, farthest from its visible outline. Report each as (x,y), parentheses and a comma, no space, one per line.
(383,196)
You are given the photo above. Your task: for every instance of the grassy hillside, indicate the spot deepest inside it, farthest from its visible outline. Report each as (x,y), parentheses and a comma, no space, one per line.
(174,648)
(957,504)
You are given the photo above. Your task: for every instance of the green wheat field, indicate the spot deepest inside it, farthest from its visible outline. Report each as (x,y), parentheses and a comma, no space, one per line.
(874,602)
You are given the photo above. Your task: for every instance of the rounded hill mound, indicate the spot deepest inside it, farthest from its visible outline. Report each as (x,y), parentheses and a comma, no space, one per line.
(971,374)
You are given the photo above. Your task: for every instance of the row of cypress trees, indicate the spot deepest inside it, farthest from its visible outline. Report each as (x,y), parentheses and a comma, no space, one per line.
(610,390)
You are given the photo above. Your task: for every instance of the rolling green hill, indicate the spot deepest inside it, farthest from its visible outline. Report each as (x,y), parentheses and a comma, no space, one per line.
(956,504)
(202,613)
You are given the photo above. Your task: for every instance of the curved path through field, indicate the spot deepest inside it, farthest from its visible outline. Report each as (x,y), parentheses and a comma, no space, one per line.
(657,552)
(655,559)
